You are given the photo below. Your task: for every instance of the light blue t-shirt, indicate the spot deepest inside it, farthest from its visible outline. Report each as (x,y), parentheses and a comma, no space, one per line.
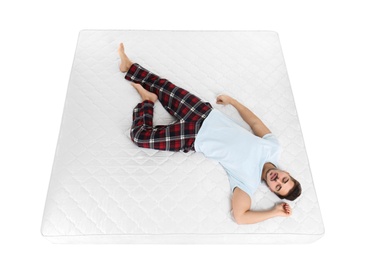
(241,153)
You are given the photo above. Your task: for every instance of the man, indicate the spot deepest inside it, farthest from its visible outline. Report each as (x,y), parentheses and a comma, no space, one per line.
(247,157)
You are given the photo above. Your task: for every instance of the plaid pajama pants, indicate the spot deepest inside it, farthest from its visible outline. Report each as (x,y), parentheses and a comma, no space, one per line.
(189,110)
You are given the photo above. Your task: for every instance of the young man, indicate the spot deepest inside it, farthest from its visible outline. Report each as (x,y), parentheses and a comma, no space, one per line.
(247,157)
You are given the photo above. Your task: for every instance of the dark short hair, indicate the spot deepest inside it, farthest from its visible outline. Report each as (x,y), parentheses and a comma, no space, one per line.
(294,193)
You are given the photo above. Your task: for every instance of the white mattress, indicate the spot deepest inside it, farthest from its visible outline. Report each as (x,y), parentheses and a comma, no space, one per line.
(104,189)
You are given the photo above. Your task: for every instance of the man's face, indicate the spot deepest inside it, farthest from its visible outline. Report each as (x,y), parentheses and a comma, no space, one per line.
(279,181)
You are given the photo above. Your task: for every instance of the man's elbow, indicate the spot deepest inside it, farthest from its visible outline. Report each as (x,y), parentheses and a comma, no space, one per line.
(241,218)
(239,221)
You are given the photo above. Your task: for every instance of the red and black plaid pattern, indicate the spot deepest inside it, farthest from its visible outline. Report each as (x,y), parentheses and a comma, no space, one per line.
(189,110)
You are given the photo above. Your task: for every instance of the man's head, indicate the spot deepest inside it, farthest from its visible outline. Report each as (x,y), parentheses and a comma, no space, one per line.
(282,184)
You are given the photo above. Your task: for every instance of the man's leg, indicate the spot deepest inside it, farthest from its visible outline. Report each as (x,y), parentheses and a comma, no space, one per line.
(173,137)
(177,101)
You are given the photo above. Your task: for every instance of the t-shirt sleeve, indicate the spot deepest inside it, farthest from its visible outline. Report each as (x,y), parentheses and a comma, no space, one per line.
(276,149)
(272,138)
(233,183)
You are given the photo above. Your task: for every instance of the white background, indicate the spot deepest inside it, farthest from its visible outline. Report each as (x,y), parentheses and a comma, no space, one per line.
(325,49)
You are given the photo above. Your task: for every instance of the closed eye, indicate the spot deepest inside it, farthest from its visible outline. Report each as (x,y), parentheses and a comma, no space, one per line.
(278,187)
(285,180)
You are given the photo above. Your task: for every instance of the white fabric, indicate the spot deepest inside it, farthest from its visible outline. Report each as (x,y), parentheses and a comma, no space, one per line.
(105,189)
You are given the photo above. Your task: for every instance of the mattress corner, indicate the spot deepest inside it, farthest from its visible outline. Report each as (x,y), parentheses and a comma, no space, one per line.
(42,229)
(275,33)
(82,31)
(322,231)
(318,236)
(42,232)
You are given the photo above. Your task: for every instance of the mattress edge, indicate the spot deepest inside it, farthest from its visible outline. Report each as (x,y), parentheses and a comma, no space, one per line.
(189,239)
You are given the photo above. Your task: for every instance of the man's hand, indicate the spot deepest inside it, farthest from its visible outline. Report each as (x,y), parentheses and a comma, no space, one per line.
(224,100)
(283,210)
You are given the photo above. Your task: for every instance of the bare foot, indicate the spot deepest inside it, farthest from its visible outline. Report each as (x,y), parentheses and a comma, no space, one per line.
(145,94)
(125,61)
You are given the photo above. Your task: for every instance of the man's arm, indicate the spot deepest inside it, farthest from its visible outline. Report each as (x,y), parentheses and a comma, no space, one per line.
(257,126)
(241,203)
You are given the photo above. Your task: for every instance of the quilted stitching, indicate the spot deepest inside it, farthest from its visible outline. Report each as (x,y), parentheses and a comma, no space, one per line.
(102,184)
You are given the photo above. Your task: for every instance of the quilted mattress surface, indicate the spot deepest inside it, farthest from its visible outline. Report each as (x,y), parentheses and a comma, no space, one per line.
(104,189)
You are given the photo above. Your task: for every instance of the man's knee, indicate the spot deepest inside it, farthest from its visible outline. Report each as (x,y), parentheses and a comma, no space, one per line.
(134,135)
(139,135)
